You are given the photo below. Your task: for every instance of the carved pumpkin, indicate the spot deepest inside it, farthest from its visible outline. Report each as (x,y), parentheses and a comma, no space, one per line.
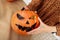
(24,21)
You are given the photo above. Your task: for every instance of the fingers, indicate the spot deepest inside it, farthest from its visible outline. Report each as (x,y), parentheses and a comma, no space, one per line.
(25,8)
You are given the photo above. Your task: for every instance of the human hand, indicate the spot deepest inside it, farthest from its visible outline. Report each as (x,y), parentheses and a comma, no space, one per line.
(42,28)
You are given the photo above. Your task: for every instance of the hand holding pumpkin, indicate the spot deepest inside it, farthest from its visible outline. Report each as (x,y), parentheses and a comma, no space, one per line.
(24,21)
(42,28)
(27,22)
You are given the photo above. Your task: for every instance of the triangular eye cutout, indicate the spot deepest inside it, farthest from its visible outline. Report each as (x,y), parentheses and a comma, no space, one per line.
(19,16)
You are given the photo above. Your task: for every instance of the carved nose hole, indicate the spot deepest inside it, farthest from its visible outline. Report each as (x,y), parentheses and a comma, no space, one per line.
(27,22)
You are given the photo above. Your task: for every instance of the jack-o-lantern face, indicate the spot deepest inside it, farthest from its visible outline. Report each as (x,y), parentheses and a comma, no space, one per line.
(24,21)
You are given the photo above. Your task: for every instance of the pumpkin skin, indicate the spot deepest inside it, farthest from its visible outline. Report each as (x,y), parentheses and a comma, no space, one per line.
(24,21)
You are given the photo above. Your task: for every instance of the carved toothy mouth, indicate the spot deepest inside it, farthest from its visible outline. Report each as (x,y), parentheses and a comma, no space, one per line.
(26,28)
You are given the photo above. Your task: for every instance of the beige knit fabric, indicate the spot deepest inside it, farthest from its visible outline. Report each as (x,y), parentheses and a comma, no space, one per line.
(6,11)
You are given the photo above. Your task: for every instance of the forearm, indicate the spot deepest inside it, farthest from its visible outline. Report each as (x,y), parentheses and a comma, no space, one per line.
(34,5)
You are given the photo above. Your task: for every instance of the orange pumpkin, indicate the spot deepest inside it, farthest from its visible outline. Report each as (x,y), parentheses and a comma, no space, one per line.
(24,21)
